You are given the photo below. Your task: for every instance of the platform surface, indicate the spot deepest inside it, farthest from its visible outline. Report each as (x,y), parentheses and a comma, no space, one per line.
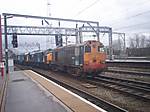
(24,95)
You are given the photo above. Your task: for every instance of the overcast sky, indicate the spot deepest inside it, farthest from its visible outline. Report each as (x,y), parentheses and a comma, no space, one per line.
(122,15)
(129,16)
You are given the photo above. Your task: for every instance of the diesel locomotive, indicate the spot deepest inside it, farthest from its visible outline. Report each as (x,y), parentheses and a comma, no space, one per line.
(86,59)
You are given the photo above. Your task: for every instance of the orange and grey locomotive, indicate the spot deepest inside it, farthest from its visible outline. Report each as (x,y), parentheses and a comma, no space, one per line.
(86,59)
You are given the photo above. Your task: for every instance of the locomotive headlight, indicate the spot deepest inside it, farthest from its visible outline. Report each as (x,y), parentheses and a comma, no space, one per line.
(86,62)
(103,62)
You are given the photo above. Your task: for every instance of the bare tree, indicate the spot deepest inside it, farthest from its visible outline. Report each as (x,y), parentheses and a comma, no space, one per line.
(137,41)
(132,45)
(142,43)
(148,42)
(117,44)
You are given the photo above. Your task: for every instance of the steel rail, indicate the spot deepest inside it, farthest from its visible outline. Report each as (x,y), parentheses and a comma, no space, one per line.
(141,84)
(137,92)
(129,72)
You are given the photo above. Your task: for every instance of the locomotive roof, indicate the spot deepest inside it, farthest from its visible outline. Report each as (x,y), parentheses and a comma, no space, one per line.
(20,54)
(37,51)
(80,44)
(72,45)
(47,51)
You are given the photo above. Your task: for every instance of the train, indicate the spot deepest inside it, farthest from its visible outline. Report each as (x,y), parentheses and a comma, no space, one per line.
(82,60)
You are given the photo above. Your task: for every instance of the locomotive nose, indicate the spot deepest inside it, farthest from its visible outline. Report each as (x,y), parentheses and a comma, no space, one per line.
(94,59)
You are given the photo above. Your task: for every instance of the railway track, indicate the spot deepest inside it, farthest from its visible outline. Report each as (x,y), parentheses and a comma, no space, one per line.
(116,70)
(137,89)
(129,63)
(92,98)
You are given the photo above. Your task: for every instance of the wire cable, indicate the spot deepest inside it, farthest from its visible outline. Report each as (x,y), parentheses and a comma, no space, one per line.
(132,26)
(136,15)
(133,16)
(89,6)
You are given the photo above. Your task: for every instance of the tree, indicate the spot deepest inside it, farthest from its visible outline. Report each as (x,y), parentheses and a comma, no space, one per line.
(148,42)
(142,44)
(132,45)
(137,41)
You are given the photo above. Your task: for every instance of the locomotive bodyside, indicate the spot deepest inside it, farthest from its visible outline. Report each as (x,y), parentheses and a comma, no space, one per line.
(27,58)
(81,60)
(64,58)
(20,58)
(48,58)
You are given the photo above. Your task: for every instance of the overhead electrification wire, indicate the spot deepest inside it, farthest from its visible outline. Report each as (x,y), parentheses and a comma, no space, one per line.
(131,26)
(133,16)
(136,15)
(139,14)
(89,6)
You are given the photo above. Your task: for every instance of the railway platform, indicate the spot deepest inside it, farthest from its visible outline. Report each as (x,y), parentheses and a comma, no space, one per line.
(27,91)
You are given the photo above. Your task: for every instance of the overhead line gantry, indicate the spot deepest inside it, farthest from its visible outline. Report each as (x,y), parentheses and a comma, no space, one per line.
(91,26)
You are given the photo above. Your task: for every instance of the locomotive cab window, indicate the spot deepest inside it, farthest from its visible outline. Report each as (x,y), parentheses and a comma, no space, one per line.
(87,48)
(100,49)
